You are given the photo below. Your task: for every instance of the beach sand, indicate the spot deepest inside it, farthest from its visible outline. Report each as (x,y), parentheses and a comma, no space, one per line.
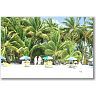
(40,71)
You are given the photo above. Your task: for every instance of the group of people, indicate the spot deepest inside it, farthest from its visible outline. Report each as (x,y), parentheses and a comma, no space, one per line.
(38,60)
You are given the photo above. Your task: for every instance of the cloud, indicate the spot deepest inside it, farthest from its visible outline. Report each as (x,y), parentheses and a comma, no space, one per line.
(58,22)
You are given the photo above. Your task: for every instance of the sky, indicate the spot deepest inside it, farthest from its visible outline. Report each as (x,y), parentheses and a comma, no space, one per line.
(59,19)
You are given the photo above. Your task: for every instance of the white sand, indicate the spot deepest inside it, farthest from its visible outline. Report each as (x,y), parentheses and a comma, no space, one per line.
(39,71)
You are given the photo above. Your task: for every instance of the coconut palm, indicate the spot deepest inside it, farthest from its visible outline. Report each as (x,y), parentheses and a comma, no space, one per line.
(7,49)
(61,51)
(35,36)
(55,47)
(11,43)
(51,25)
(72,50)
(13,24)
(85,38)
(79,33)
(72,27)
(36,29)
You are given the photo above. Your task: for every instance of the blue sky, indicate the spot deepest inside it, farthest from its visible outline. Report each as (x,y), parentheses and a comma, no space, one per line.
(59,19)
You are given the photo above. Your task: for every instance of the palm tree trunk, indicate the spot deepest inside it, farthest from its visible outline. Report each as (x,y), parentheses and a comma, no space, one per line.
(84,54)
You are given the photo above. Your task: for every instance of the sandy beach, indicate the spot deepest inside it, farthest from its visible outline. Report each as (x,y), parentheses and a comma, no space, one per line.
(40,71)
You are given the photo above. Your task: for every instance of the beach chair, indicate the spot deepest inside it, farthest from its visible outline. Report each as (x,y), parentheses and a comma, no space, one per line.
(5,64)
(26,63)
(48,64)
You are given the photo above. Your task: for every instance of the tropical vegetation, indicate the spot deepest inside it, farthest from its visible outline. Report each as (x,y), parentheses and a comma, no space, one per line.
(36,36)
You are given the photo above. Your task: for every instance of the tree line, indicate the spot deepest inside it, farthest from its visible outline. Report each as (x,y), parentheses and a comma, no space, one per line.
(34,36)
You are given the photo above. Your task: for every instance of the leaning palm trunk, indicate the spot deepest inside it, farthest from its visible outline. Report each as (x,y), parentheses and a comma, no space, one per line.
(54,59)
(84,55)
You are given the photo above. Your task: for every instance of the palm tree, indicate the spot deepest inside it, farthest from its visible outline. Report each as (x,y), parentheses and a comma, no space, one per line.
(71,27)
(7,48)
(36,30)
(55,47)
(61,51)
(72,50)
(79,33)
(51,25)
(11,40)
(85,38)
(35,36)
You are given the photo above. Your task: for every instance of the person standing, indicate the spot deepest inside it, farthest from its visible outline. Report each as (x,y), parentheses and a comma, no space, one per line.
(35,60)
(39,60)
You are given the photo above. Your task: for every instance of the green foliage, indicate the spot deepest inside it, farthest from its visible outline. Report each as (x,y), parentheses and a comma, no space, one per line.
(34,36)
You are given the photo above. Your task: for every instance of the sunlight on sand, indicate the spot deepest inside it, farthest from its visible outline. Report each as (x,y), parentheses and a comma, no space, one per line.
(40,71)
